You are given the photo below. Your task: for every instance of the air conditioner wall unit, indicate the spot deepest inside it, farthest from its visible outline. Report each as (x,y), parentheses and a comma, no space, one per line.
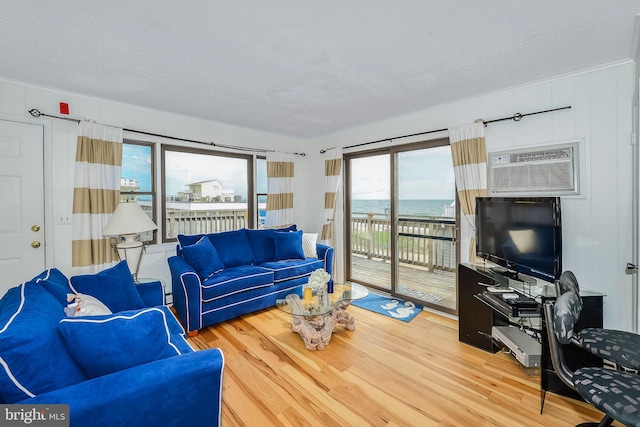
(550,170)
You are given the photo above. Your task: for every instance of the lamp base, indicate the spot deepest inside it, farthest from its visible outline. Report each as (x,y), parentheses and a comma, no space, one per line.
(131,251)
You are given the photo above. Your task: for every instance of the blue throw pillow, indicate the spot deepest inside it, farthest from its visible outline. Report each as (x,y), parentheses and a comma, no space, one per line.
(292,227)
(262,245)
(288,245)
(33,357)
(103,345)
(188,239)
(203,257)
(56,283)
(233,247)
(114,287)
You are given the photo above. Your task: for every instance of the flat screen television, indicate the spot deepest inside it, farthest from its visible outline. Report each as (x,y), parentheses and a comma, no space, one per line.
(521,234)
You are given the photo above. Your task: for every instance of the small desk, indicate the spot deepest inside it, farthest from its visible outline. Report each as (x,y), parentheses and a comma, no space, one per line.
(316,319)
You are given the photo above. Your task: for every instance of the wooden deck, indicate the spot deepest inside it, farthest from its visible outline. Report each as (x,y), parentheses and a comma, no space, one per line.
(438,288)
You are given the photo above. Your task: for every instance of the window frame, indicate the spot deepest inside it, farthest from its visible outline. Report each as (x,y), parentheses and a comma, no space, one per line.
(153,193)
(251,196)
(257,195)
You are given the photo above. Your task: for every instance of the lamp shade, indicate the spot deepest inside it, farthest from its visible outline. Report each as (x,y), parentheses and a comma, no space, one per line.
(128,218)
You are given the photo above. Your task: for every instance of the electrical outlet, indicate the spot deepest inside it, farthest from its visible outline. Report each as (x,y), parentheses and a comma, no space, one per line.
(63,218)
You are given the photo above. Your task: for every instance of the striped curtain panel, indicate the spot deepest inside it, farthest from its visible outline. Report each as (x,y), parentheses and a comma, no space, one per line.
(469,154)
(279,190)
(95,195)
(332,172)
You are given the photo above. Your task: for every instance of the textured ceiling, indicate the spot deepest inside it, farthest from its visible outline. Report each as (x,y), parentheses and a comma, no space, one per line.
(304,68)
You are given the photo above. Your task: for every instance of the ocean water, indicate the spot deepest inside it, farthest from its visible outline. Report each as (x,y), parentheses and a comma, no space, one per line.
(431,207)
(411,207)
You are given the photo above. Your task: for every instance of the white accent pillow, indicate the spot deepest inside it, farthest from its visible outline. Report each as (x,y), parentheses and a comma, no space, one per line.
(309,241)
(85,305)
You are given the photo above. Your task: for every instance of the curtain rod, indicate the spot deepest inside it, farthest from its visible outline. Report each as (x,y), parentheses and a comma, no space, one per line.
(36,113)
(516,118)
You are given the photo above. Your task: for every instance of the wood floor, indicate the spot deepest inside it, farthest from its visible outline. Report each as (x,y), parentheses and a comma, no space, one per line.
(385,373)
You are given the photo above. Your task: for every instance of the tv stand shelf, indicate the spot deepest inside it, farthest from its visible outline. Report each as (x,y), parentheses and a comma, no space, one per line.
(503,272)
(511,313)
(476,317)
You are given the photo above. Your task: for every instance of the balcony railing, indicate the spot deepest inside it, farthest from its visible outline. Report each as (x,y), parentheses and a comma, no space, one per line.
(422,241)
(204,222)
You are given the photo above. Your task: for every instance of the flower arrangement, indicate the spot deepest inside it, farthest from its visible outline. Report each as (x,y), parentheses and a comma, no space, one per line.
(319,278)
(317,283)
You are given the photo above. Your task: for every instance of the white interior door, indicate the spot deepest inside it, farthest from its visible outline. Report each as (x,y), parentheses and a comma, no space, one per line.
(22,253)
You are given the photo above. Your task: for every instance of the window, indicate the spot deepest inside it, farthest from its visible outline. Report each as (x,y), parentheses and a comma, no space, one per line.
(137,182)
(205,191)
(261,189)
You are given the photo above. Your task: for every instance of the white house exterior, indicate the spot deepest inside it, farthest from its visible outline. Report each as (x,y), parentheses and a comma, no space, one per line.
(210,191)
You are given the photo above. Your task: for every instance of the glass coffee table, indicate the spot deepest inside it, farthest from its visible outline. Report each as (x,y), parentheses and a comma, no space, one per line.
(316,318)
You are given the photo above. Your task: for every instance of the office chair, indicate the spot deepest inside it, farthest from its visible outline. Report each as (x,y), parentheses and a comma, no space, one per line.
(619,347)
(567,282)
(615,393)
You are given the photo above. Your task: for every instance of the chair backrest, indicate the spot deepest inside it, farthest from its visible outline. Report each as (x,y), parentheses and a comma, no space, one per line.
(567,283)
(560,318)
(566,312)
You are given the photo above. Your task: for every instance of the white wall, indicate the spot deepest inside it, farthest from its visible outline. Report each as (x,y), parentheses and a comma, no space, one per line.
(596,227)
(15,101)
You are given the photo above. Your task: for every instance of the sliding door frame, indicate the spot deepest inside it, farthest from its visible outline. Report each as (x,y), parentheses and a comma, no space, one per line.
(393,193)
(347,211)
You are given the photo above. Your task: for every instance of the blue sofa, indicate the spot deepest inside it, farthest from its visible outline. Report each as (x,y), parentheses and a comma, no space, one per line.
(130,367)
(219,276)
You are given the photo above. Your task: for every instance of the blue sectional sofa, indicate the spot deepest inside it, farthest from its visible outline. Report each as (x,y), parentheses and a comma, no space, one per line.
(132,367)
(219,276)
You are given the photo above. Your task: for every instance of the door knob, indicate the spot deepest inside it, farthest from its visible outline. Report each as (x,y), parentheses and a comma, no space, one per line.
(631,268)
(35,244)
(35,228)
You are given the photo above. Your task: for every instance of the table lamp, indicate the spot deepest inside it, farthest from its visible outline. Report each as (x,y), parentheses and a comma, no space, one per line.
(126,223)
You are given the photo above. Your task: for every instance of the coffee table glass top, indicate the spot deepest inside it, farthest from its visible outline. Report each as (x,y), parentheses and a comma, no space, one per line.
(342,295)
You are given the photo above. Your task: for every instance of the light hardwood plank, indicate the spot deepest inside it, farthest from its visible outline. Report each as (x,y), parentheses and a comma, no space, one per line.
(385,373)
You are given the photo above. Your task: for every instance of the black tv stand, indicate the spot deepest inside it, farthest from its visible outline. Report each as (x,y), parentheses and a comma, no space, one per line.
(476,319)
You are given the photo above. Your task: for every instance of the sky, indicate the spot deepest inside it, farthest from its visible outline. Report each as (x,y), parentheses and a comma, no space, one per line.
(136,163)
(185,168)
(422,174)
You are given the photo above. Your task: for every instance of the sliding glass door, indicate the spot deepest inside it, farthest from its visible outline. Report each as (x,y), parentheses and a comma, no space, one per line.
(425,228)
(402,222)
(370,201)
